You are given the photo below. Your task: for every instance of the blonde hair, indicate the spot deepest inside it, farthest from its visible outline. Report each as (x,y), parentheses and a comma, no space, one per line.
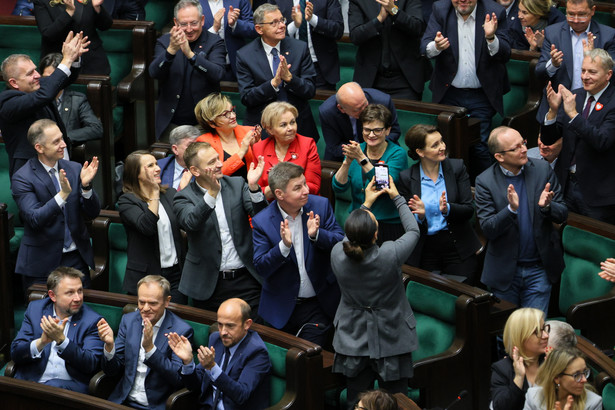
(554,365)
(209,108)
(272,113)
(538,8)
(520,326)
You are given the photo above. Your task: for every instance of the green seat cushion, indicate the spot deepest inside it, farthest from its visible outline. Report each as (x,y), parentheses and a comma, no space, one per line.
(29,41)
(117,257)
(608,397)
(583,252)
(160,12)
(200,338)
(347,53)
(277,355)
(118,46)
(112,314)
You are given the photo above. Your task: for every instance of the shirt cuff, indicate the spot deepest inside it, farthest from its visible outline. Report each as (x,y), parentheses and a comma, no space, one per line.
(150,353)
(431,50)
(549,122)
(34,353)
(210,200)
(510,209)
(316,238)
(493,46)
(188,368)
(109,355)
(212,31)
(313,21)
(86,194)
(63,345)
(215,372)
(292,29)
(64,69)
(551,69)
(285,250)
(257,196)
(572,119)
(59,200)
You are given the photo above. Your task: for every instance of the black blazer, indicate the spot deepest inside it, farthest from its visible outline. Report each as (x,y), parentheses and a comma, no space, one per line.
(141,228)
(505,394)
(459,195)
(54,24)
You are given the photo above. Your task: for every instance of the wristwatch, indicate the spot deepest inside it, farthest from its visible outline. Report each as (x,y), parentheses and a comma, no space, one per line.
(364,161)
(394,11)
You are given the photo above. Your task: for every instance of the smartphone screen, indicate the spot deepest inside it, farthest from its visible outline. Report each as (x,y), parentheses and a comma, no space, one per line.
(382,176)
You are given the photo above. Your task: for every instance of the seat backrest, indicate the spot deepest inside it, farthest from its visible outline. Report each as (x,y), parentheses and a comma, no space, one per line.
(118,258)
(160,12)
(277,355)
(118,47)
(608,397)
(583,252)
(435,315)
(201,336)
(112,314)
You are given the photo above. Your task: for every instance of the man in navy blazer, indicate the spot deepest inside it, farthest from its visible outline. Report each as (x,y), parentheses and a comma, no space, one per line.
(173,168)
(126,9)
(517,202)
(141,353)
(585,129)
(54,197)
(292,80)
(58,342)
(339,116)
(293,238)
(234,24)
(561,56)
(188,64)
(476,81)
(28,98)
(235,369)
(324,25)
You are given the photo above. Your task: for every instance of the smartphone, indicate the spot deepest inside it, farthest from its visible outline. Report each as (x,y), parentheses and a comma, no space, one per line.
(382,175)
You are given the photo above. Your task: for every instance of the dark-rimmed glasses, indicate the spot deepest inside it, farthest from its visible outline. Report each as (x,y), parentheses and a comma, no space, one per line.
(228,113)
(545,328)
(274,22)
(578,376)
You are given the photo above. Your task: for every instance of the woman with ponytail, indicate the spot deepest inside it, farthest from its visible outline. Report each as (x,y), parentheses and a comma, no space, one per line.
(374,324)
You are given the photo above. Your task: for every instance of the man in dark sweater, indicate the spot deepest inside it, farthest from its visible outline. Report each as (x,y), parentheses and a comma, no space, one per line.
(517,201)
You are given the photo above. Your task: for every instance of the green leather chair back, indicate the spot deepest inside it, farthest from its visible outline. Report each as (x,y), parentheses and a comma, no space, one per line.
(608,397)
(277,355)
(160,12)
(112,314)
(117,257)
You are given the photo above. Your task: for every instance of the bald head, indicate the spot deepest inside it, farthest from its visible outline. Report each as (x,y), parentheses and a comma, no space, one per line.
(233,321)
(351,99)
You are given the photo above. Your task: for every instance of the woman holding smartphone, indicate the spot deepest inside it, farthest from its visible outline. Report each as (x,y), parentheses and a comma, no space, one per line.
(358,168)
(233,142)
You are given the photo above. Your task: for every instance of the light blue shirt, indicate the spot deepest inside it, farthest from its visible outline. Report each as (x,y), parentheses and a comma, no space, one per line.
(430,195)
(56,366)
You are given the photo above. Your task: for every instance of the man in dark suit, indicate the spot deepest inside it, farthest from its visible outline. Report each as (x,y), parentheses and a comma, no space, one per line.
(28,98)
(584,119)
(470,71)
(214,210)
(173,168)
(293,239)
(58,342)
(54,197)
(233,22)
(339,116)
(141,353)
(512,10)
(189,64)
(388,36)
(561,56)
(319,23)
(235,369)
(126,9)
(517,202)
(80,121)
(276,67)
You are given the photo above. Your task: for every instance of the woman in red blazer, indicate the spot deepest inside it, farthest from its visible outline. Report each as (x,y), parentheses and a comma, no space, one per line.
(233,143)
(284,145)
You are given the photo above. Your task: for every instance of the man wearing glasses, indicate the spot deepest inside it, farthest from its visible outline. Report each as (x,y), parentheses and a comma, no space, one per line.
(518,200)
(562,50)
(189,64)
(276,68)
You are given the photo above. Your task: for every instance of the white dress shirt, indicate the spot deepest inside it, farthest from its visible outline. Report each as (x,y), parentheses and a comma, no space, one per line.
(293,31)
(166,243)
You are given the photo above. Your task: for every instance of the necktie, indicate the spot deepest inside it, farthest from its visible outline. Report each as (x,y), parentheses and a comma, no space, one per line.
(218,395)
(588,105)
(304,23)
(67,238)
(276,60)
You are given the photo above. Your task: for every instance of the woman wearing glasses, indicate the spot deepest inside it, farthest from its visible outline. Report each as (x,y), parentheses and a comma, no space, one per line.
(357,169)
(284,145)
(233,143)
(525,340)
(561,384)
(438,191)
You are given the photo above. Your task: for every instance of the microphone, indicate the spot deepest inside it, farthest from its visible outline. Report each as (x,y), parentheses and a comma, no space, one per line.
(459,397)
(308,324)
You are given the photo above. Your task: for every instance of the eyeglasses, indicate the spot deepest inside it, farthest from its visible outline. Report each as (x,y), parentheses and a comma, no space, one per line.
(376,131)
(274,22)
(228,113)
(193,24)
(545,328)
(581,17)
(517,148)
(578,376)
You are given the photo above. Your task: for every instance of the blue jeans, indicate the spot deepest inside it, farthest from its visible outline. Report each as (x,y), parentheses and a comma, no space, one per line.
(529,288)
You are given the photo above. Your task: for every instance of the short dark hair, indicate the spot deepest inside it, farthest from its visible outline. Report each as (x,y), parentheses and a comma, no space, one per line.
(192,151)
(160,280)
(378,400)
(281,174)
(132,169)
(590,3)
(377,112)
(61,272)
(416,136)
(50,60)
(36,132)
(360,229)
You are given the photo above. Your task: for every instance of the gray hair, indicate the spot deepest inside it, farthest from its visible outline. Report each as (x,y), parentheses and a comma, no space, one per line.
(9,64)
(562,335)
(182,132)
(259,13)
(161,281)
(605,59)
(36,132)
(182,4)
(494,143)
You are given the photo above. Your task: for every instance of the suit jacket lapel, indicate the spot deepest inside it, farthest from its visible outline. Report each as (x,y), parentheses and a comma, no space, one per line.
(449,181)
(165,327)
(72,326)
(262,59)
(415,180)
(238,353)
(479,32)
(453,34)
(227,200)
(565,46)
(531,187)
(276,219)
(43,176)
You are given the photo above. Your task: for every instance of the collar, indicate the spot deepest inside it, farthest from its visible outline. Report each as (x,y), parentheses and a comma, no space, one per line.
(510,174)
(268,48)
(68,319)
(204,190)
(234,348)
(423,176)
(598,94)
(285,215)
(177,166)
(48,168)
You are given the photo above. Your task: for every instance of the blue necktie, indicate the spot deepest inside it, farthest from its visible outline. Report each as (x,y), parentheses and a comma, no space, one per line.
(276,60)
(227,355)
(67,238)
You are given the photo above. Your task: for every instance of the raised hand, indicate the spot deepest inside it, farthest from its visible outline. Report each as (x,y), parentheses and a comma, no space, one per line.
(72,48)
(232,16)
(417,206)
(313,224)
(546,196)
(183,182)
(177,37)
(210,182)
(284,70)
(443,203)
(570,101)
(70,7)
(513,197)
(218,19)
(286,234)
(588,44)
(518,367)
(148,335)
(371,193)
(181,347)
(567,406)
(608,270)
(556,56)
(296,15)
(65,188)
(105,333)
(534,38)
(207,357)
(442,42)
(554,99)
(96,4)
(352,150)
(88,171)
(391,189)
(309,10)
(491,25)
(255,173)
(53,329)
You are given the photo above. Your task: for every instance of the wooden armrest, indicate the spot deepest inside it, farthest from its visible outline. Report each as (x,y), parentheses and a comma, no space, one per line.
(183,399)
(102,385)
(10,369)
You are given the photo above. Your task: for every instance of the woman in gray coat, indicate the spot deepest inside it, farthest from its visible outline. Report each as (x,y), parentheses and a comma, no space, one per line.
(374,324)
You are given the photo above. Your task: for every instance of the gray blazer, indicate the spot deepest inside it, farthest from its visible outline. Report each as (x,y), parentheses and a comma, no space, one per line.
(202,264)
(374,317)
(81,123)
(534,400)
(500,225)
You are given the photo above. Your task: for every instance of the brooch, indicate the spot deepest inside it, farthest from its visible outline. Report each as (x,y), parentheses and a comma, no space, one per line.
(293,156)
(599,106)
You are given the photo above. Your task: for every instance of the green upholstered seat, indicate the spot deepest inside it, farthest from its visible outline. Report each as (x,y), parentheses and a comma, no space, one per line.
(112,314)
(118,46)
(347,53)
(16,39)
(117,257)
(7,198)
(277,355)
(201,336)
(515,99)
(160,12)
(583,252)
(608,397)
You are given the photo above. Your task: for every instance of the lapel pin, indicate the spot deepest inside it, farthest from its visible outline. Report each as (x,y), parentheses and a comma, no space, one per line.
(65,108)
(287,53)
(293,156)
(599,106)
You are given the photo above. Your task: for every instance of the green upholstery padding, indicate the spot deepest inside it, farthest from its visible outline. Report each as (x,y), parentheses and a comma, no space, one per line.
(112,314)
(160,12)
(239,107)
(20,40)
(608,397)
(277,355)
(515,99)
(435,315)
(7,198)
(117,257)
(583,252)
(118,46)
(200,338)
(347,53)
